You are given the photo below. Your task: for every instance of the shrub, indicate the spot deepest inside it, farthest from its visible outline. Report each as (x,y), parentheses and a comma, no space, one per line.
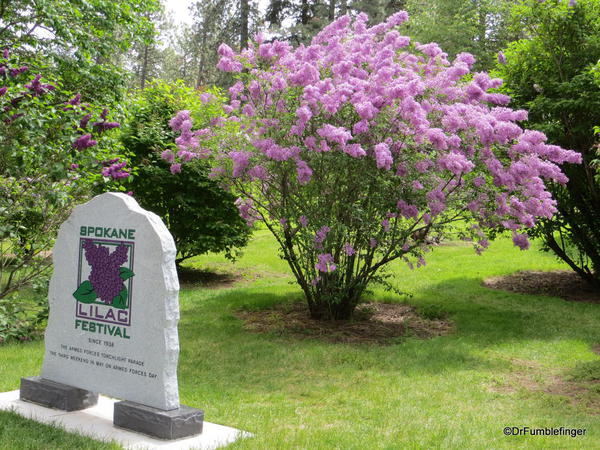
(363,148)
(198,212)
(23,317)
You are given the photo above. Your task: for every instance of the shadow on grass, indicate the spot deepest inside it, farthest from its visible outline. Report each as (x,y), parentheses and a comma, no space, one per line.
(491,316)
(481,314)
(189,276)
(482,318)
(266,360)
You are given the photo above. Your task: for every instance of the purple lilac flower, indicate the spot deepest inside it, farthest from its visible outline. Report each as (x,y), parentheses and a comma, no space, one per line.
(75,100)
(84,142)
(206,97)
(247,211)
(168,156)
(116,170)
(520,240)
(304,172)
(240,162)
(321,235)
(325,263)
(258,173)
(35,86)
(83,123)
(105,126)
(383,156)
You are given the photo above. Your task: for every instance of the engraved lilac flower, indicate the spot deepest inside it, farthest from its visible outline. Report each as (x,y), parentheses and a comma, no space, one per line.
(105,275)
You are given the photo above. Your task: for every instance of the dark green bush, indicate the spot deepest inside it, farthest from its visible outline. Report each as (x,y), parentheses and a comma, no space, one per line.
(551,75)
(200,214)
(23,314)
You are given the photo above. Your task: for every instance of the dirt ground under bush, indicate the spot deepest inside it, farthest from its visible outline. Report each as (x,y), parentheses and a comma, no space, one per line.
(374,323)
(559,283)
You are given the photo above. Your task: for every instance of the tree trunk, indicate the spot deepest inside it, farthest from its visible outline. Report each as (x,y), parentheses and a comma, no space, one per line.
(482,28)
(586,275)
(202,52)
(324,308)
(304,12)
(332,311)
(343,7)
(245,12)
(144,72)
(331,11)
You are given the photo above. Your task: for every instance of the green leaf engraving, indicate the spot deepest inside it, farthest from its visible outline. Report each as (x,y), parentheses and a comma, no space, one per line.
(85,293)
(120,301)
(125,273)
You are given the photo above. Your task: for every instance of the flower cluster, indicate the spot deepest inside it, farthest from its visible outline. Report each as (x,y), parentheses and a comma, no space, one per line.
(115,169)
(84,141)
(37,88)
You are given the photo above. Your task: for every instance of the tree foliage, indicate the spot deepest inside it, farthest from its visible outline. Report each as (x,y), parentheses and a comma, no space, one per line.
(53,150)
(551,74)
(82,40)
(480,27)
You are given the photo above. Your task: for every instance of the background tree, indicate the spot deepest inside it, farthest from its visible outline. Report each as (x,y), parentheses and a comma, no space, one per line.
(81,41)
(550,73)
(244,19)
(480,27)
(297,21)
(179,58)
(215,21)
(198,212)
(149,54)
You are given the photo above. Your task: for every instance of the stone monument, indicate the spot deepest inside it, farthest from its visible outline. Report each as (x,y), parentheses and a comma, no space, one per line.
(113,320)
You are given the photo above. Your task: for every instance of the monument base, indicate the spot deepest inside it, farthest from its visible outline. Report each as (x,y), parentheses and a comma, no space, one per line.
(175,424)
(97,422)
(56,395)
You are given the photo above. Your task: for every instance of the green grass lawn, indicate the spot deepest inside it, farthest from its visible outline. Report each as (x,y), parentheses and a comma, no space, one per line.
(502,366)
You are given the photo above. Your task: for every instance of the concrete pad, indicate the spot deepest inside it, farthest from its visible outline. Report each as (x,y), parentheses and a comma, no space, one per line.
(97,422)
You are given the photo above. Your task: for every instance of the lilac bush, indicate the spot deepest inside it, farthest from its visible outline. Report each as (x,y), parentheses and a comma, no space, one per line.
(55,150)
(364,147)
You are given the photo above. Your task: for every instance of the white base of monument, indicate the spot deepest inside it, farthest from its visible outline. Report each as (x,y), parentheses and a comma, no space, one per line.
(97,423)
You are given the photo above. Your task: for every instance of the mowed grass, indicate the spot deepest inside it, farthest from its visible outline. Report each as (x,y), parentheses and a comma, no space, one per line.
(502,366)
